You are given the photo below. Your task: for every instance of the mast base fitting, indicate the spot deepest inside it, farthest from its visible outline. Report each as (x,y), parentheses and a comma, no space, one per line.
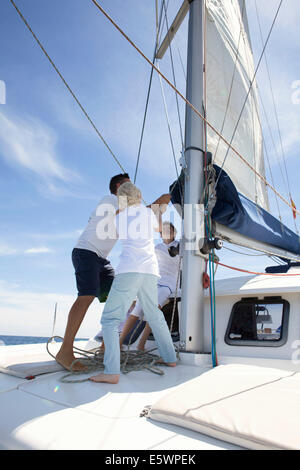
(208,245)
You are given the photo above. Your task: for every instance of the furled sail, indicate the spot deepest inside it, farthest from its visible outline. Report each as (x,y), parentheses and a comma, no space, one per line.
(230,70)
(241,212)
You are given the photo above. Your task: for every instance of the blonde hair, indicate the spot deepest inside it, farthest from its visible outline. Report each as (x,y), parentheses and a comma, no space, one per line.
(128,195)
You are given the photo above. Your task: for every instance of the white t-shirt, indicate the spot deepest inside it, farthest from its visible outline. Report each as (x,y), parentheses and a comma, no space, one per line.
(135,227)
(168,265)
(100,234)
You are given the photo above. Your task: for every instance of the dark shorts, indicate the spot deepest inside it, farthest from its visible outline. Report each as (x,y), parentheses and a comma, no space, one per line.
(94,275)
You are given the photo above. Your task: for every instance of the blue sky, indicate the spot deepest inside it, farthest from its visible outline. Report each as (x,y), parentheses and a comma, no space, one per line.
(54,168)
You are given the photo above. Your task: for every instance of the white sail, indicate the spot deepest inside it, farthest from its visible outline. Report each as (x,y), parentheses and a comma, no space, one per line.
(229,55)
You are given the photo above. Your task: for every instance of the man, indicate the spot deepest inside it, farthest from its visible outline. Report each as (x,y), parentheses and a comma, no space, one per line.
(94,273)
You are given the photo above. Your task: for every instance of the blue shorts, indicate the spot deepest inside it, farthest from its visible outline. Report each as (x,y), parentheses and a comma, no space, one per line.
(94,275)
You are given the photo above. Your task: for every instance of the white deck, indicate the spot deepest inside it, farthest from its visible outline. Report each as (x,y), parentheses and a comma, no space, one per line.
(46,414)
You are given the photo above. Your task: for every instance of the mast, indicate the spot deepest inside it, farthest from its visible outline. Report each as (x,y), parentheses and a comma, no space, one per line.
(192,299)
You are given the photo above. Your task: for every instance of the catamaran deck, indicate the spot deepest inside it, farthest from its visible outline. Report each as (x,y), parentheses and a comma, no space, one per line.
(45,413)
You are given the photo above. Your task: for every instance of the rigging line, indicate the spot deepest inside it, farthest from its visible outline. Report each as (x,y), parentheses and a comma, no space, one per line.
(272,179)
(250,87)
(272,137)
(278,260)
(277,117)
(253,272)
(274,145)
(163,24)
(273,142)
(242,253)
(169,125)
(268,252)
(156,19)
(193,107)
(158,26)
(174,78)
(181,61)
(212,291)
(274,103)
(67,86)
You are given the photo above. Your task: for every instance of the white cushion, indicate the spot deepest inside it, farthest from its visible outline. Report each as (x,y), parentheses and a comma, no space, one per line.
(28,365)
(250,406)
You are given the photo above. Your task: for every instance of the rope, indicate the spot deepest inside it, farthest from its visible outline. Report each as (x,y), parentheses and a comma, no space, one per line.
(158,27)
(243,253)
(93,361)
(68,87)
(169,127)
(253,272)
(207,215)
(274,103)
(194,109)
(174,78)
(276,116)
(175,295)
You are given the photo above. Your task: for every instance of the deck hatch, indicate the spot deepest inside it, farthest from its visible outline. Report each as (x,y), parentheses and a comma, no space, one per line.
(255,322)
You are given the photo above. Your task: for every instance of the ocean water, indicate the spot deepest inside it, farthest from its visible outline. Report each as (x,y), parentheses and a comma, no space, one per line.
(9,340)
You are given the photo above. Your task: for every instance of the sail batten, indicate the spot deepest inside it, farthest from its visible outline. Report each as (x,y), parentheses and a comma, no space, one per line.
(230,70)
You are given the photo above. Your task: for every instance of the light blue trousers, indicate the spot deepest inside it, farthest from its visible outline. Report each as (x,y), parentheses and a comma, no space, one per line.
(125,288)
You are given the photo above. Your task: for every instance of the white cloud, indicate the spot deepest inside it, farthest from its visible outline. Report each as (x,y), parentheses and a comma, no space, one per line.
(38,250)
(37,243)
(31,145)
(10,250)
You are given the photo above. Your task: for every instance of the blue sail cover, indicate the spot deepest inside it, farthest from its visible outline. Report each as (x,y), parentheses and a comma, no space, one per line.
(238,213)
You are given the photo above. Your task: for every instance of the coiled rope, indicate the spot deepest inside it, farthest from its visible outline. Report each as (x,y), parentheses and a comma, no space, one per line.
(92,361)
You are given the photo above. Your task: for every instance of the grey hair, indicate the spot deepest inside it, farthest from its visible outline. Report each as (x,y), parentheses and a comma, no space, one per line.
(128,195)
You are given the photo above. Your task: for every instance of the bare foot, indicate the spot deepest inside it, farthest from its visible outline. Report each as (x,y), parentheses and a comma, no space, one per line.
(66,361)
(106,378)
(169,364)
(141,348)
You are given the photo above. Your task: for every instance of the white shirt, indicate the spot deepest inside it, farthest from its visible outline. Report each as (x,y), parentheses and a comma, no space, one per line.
(168,266)
(100,234)
(135,227)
